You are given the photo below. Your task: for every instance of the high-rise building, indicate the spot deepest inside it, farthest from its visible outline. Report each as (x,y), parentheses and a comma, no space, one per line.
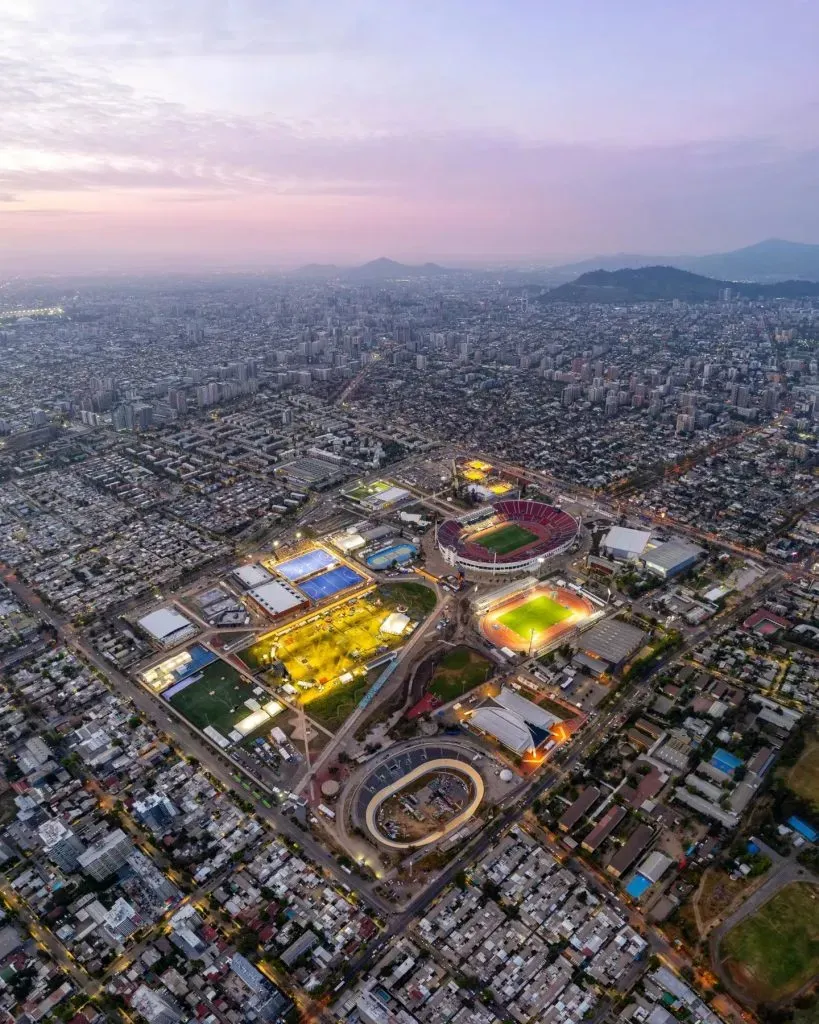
(106,856)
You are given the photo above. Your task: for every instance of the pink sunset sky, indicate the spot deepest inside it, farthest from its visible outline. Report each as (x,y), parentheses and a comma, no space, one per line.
(266,133)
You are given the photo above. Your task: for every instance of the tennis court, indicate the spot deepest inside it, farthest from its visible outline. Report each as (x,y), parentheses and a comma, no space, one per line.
(331,582)
(304,565)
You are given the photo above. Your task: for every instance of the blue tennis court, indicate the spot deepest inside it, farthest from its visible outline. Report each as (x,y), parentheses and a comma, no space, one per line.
(384,558)
(304,565)
(331,582)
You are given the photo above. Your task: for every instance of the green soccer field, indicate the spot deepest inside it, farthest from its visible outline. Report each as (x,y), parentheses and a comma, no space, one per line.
(538,614)
(507,538)
(217,699)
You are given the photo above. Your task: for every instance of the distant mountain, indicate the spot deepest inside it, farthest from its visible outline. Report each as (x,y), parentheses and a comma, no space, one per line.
(657,284)
(619,261)
(772,260)
(382,269)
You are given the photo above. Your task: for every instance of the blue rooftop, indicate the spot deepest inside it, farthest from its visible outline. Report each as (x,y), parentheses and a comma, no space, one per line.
(804,829)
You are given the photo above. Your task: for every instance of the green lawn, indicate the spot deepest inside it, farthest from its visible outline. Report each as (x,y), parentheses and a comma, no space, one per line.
(337,703)
(458,672)
(216,699)
(368,490)
(418,599)
(776,950)
(538,614)
(507,538)
(803,777)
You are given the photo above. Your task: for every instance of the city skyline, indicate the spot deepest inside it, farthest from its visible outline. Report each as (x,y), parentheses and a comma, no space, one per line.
(267,135)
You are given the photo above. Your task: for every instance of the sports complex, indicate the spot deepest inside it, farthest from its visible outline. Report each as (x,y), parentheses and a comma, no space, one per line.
(530,615)
(418,795)
(507,538)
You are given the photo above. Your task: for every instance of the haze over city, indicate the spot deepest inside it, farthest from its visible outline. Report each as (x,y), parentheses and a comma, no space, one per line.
(266,133)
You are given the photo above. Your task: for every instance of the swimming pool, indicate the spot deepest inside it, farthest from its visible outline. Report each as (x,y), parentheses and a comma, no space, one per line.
(384,558)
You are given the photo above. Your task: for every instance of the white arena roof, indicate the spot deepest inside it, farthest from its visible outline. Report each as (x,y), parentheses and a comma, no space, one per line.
(252,575)
(625,541)
(276,597)
(167,625)
(514,721)
(388,497)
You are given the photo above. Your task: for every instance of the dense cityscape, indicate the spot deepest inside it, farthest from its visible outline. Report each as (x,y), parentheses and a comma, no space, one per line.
(415,649)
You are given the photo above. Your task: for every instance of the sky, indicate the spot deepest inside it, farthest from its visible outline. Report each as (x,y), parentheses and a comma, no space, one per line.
(267,133)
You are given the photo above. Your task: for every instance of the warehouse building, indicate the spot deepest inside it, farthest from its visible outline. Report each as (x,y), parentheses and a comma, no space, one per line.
(672,558)
(167,626)
(610,642)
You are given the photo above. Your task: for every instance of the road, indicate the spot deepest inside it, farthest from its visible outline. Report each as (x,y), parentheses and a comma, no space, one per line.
(362,712)
(784,872)
(186,738)
(46,938)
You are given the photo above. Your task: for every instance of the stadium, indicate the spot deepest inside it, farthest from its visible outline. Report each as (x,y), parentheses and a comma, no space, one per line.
(507,538)
(397,771)
(529,616)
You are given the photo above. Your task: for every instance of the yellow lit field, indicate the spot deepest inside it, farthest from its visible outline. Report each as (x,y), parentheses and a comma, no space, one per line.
(501,487)
(326,646)
(482,467)
(473,475)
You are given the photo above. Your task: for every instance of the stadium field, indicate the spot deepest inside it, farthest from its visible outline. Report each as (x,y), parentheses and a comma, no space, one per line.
(539,614)
(216,697)
(506,538)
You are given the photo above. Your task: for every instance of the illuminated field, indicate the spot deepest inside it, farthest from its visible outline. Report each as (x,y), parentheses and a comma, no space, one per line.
(505,538)
(216,697)
(538,614)
(535,618)
(368,490)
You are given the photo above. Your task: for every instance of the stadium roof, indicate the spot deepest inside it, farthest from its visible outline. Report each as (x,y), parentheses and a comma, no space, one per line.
(611,640)
(388,497)
(276,597)
(514,721)
(165,624)
(621,538)
(252,575)
(673,554)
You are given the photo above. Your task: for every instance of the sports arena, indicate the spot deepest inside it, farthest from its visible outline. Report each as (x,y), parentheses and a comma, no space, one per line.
(508,537)
(529,615)
(397,771)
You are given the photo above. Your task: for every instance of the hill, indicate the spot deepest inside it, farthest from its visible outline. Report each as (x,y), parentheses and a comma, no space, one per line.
(775,259)
(770,261)
(658,284)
